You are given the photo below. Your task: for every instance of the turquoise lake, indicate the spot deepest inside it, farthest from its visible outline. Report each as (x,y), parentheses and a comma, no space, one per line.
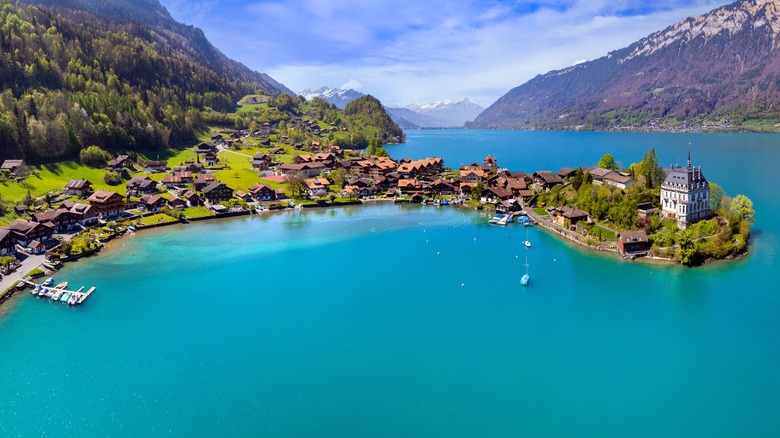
(393,320)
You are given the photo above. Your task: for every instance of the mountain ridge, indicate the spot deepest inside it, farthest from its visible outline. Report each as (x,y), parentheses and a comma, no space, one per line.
(720,70)
(153,14)
(72,79)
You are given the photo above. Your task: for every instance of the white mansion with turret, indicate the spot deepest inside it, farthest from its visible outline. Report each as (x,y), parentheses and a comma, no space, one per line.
(685,195)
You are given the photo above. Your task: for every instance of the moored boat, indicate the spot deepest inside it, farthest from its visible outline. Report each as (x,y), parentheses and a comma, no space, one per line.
(74,297)
(65,297)
(48,281)
(62,285)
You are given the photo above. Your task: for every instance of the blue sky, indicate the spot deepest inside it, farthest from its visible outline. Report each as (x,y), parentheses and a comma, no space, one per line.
(416,51)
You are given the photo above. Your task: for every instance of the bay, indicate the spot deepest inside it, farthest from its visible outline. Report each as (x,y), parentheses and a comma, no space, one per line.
(395,320)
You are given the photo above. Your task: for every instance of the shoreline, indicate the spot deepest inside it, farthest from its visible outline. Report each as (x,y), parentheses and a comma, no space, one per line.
(113,244)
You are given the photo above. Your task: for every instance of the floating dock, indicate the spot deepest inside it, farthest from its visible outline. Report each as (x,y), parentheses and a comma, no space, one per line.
(75,296)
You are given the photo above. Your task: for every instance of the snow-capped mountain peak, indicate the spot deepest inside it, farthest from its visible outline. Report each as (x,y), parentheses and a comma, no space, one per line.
(336,96)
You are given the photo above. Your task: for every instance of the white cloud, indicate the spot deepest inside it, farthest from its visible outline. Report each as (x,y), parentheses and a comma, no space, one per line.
(406,50)
(351,84)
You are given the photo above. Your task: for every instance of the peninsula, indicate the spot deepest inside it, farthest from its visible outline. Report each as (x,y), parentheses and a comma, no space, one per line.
(640,210)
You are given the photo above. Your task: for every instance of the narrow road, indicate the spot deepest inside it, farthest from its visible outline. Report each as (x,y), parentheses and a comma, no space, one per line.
(28,264)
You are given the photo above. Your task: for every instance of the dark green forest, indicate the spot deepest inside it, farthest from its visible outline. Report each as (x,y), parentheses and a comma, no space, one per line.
(72,79)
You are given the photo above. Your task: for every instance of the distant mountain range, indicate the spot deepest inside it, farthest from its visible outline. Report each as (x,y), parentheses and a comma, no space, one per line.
(336,96)
(716,71)
(446,114)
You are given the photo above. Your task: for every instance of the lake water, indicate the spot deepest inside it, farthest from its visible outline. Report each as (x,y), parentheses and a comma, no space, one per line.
(409,320)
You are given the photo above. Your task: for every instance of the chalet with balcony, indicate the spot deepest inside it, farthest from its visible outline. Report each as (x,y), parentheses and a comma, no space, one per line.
(106,203)
(472,175)
(193,168)
(79,187)
(261,161)
(84,213)
(120,163)
(407,186)
(156,166)
(191,198)
(141,185)
(205,148)
(27,231)
(172,181)
(152,203)
(61,219)
(202,180)
(317,186)
(306,170)
(262,192)
(217,192)
(210,158)
(547,179)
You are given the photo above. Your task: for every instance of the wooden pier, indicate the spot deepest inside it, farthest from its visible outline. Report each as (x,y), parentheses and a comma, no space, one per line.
(81,296)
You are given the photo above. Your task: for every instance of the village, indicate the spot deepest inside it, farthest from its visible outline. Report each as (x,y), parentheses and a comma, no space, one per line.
(78,218)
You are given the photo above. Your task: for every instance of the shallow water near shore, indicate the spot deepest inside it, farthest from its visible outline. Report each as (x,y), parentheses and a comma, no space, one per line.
(408,320)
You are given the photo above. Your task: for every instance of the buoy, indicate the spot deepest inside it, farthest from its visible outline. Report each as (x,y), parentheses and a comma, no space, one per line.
(462,284)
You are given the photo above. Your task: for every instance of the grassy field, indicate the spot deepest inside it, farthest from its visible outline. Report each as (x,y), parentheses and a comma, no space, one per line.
(196,212)
(157,218)
(48,177)
(54,177)
(239,175)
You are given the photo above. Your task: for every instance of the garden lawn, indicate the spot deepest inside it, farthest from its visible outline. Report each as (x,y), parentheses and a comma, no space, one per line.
(239,175)
(157,218)
(605,233)
(196,212)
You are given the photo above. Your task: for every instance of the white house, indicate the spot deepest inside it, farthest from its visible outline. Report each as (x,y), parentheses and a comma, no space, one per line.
(685,195)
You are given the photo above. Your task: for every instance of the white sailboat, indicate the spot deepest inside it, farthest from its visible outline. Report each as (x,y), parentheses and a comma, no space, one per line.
(525,279)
